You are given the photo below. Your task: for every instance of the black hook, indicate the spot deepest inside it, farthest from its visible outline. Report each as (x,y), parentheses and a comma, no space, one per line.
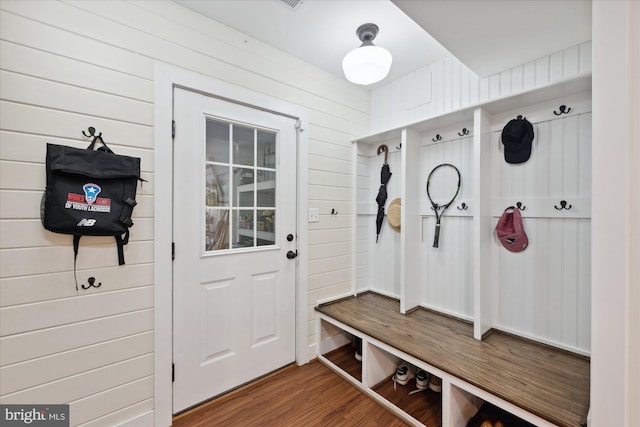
(463,132)
(96,138)
(563,205)
(563,110)
(92,281)
(92,132)
(385,149)
(520,206)
(437,138)
(399,147)
(334,212)
(463,207)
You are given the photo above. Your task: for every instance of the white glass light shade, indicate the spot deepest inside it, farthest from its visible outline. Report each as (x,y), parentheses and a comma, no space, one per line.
(367,64)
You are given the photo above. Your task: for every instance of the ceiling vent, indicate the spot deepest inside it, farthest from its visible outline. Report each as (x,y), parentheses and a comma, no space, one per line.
(292,4)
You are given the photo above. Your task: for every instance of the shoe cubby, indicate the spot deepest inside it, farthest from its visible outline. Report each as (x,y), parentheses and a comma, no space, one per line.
(467,409)
(462,406)
(338,347)
(490,415)
(424,406)
(502,371)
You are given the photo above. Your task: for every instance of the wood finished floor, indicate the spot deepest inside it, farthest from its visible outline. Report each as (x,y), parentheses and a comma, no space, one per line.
(309,395)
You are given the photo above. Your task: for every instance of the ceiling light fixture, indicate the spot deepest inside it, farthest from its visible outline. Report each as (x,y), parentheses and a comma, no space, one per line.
(369,63)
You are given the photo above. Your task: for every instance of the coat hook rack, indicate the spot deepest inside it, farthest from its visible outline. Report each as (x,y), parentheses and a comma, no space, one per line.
(334,212)
(92,283)
(383,149)
(520,206)
(437,138)
(563,110)
(563,205)
(463,132)
(463,207)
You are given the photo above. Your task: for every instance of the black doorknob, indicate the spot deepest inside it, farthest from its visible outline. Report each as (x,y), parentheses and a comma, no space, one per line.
(289,237)
(292,255)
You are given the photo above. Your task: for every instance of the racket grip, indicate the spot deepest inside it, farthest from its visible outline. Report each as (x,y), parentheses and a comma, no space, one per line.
(436,237)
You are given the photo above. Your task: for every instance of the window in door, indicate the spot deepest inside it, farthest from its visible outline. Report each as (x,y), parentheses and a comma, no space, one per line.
(240,202)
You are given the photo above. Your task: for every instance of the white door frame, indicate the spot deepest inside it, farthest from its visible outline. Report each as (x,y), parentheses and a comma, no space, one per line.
(167,77)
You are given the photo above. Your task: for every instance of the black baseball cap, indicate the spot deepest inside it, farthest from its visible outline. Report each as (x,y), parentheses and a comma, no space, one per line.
(517,136)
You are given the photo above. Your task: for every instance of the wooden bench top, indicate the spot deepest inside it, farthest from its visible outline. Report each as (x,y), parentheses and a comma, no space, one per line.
(548,382)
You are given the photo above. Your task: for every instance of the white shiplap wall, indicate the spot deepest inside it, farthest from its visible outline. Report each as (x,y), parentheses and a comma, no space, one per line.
(382,270)
(448,85)
(543,293)
(446,271)
(73,64)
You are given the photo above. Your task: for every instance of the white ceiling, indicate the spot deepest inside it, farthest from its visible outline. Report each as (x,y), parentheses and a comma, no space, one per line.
(488,36)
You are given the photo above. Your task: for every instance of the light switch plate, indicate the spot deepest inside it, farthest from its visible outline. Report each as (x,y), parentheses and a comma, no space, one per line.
(314,215)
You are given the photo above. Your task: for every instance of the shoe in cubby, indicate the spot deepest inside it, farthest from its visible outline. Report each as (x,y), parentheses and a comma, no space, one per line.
(422,381)
(435,383)
(357,343)
(403,374)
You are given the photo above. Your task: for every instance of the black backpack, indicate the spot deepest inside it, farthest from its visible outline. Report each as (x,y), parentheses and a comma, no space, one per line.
(90,193)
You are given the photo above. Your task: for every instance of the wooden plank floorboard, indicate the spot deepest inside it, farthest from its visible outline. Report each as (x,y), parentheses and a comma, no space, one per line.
(550,383)
(310,395)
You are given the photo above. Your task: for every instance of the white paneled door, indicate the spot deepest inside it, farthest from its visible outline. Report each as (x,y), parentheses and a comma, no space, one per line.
(234,233)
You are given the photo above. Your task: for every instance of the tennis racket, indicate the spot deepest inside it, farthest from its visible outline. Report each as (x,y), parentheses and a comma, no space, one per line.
(444,183)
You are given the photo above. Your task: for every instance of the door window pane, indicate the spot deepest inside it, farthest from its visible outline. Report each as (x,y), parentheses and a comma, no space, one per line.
(266,150)
(217,141)
(243,145)
(265,227)
(266,189)
(244,187)
(217,185)
(217,229)
(243,229)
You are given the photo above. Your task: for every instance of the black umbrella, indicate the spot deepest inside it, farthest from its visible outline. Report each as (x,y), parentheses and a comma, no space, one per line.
(381,198)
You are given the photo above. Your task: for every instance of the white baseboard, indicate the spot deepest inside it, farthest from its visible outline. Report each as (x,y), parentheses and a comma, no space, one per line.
(142,420)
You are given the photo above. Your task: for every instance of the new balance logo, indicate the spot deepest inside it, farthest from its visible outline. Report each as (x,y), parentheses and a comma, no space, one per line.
(85,222)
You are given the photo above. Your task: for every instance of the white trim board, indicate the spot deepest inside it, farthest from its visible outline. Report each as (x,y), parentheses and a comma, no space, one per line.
(167,77)
(142,420)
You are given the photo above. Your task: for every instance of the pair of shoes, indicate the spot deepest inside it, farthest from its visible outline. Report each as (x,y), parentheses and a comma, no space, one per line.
(403,375)
(425,380)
